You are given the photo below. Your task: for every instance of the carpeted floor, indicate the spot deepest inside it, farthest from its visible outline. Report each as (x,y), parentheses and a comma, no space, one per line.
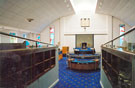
(77,79)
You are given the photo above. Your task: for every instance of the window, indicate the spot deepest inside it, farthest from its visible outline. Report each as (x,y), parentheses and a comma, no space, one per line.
(52,35)
(122,31)
(24,35)
(38,39)
(13,39)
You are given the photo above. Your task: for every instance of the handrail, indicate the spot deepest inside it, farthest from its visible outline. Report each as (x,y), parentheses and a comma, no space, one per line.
(23,38)
(132,29)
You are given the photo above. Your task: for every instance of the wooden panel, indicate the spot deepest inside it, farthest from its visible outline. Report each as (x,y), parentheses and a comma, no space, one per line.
(118,67)
(21,67)
(60,56)
(7,46)
(83,66)
(65,50)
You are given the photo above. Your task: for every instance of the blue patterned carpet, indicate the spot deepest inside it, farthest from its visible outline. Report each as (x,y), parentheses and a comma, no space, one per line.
(76,79)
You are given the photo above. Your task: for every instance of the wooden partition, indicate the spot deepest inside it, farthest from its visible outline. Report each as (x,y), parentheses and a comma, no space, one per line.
(7,46)
(20,67)
(118,67)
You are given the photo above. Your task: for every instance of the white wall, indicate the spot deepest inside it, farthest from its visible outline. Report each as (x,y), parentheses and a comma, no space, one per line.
(98,24)
(98,27)
(98,41)
(104,28)
(67,27)
(19,32)
(116,26)
(45,34)
(69,40)
(109,28)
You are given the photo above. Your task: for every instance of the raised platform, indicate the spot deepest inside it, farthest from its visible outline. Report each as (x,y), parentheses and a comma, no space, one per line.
(84,51)
(83,59)
(83,64)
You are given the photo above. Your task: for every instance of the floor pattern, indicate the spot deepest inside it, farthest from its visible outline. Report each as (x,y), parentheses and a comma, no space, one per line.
(77,79)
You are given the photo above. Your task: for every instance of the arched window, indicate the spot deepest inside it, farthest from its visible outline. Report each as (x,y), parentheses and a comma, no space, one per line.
(52,35)
(122,31)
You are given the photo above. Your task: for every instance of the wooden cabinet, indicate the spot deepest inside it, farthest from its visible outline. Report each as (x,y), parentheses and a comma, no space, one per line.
(20,67)
(65,49)
(118,67)
(7,46)
(60,55)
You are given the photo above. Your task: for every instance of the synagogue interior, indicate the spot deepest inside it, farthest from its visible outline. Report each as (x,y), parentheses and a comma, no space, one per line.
(67,44)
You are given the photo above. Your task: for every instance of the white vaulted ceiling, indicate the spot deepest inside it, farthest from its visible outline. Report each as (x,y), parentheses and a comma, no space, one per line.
(14,13)
(121,9)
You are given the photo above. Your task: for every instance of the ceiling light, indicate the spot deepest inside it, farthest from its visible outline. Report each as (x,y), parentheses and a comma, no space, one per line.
(30,19)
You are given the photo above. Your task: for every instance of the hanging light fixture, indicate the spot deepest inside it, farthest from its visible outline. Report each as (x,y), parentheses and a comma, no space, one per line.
(30,19)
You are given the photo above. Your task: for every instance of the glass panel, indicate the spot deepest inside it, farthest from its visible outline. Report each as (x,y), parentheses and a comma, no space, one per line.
(130,39)
(52,35)
(127,44)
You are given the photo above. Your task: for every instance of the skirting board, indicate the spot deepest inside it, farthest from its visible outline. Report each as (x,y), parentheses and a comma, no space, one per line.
(54,84)
(101,84)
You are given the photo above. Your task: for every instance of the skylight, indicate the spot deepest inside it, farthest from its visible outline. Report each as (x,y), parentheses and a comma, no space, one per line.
(84,5)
